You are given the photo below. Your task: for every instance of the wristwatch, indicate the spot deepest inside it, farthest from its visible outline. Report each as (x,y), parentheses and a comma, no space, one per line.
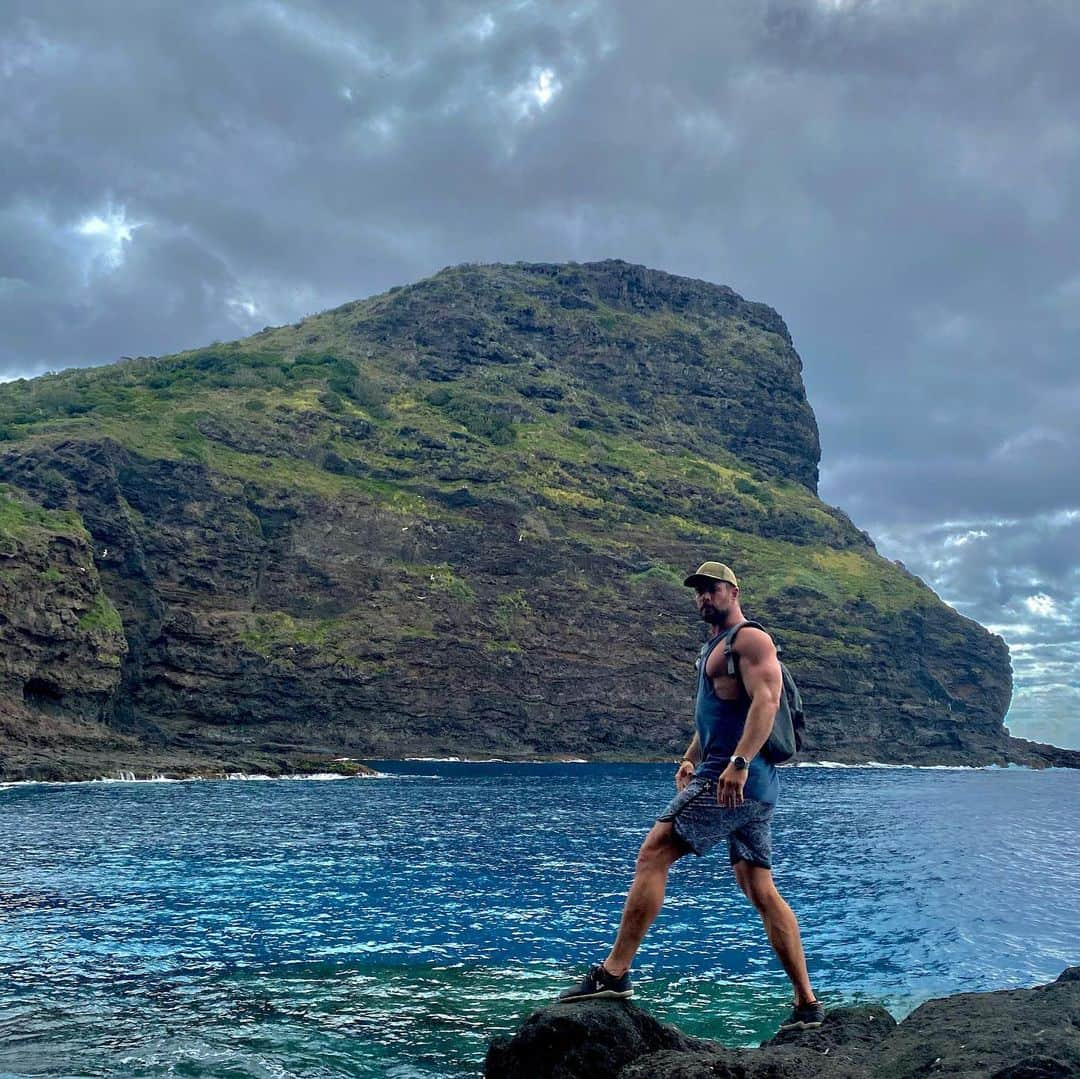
(741,763)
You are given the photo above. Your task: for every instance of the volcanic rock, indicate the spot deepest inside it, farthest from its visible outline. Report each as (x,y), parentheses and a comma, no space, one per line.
(1011,1034)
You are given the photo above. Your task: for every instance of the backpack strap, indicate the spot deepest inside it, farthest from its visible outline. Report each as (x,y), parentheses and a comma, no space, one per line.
(729,644)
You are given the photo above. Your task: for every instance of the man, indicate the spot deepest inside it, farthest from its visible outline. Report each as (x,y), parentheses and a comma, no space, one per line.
(726,791)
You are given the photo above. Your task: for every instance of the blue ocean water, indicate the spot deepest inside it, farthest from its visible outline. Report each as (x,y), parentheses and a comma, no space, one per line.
(389,927)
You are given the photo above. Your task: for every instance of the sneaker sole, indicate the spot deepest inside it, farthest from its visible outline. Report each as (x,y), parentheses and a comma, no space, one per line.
(802,1026)
(605,994)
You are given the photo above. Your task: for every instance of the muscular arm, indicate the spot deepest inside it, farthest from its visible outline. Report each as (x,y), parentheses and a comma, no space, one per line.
(693,751)
(760,672)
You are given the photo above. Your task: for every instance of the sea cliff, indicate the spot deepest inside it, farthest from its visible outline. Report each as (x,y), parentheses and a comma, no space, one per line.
(451,519)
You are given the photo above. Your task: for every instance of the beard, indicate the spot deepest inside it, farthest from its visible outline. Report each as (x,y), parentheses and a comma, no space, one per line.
(715,616)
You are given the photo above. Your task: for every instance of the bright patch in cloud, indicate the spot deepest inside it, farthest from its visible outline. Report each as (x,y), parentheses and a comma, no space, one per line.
(543,86)
(482,27)
(547,86)
(112,231)
(965,538)
(382,125)
(1042,605)
(245,308)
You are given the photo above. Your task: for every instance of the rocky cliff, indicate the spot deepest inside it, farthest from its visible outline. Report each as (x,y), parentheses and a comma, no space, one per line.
(451,519)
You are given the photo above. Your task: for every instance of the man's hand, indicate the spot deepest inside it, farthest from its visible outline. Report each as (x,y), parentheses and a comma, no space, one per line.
(729,787)
(684,775)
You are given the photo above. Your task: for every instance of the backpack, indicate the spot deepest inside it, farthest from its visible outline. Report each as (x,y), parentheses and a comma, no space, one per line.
(789,726)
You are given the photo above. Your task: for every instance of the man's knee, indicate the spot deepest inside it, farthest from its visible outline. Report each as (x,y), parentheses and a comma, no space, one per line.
(661,848)
(757,885)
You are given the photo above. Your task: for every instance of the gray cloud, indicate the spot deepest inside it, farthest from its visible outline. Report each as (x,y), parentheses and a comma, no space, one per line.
(1020,578)
(899,178)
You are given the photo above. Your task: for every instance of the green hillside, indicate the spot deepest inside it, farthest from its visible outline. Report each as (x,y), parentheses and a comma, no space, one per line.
(454,518)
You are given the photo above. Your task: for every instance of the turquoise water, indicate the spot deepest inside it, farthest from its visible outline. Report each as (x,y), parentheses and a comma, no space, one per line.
(389,927)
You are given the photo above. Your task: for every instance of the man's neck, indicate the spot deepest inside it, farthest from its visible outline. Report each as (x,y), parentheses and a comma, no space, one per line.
(735,616)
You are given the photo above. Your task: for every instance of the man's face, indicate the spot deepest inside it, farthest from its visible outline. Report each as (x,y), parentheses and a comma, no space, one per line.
(714,601)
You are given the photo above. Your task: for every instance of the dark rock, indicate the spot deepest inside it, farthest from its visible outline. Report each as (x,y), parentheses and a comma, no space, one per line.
(586,1040)
(1014,1034)
(857,1030)
(1041,755)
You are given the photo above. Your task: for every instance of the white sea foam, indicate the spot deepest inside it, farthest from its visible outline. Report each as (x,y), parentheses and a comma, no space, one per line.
(913,767)
(247,777)
(491,760)
(131,777)
(318,777)
(100,780)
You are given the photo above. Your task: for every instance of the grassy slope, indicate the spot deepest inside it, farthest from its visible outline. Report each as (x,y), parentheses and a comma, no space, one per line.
(322,406)
(26,533)
(23,521)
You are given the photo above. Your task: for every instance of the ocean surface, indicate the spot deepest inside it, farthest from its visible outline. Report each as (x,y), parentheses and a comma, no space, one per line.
(391,926)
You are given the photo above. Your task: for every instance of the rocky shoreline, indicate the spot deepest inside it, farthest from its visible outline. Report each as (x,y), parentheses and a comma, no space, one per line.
(147,765)
(143,769)
(1009,1034)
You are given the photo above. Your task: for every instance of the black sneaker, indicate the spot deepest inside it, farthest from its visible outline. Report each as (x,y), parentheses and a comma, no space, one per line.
(804,1016)
(599,985)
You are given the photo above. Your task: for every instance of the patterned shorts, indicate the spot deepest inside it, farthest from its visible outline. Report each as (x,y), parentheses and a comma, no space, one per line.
(699,823)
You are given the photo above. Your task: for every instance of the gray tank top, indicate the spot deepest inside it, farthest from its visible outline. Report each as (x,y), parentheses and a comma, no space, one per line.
(719,727)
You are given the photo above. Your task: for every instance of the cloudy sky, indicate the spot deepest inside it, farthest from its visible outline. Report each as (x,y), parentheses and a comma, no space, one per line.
(900,179)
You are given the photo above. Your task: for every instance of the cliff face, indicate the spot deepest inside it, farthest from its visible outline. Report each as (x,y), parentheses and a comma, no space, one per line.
(61,642)
(453,520)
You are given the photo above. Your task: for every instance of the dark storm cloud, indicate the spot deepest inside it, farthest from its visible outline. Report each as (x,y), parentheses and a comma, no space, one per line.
(899,179)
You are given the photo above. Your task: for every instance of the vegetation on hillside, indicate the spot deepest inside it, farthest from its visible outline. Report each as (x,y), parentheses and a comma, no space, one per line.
(20,518)
(410,397)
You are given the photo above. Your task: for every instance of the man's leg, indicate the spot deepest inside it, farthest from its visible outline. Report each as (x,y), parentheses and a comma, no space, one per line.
(658,853)
(781,925)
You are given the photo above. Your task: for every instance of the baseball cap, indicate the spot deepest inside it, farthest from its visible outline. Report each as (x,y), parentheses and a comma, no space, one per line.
(711,572)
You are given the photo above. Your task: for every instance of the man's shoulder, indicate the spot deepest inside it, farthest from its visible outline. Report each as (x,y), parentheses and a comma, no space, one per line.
(753,640)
